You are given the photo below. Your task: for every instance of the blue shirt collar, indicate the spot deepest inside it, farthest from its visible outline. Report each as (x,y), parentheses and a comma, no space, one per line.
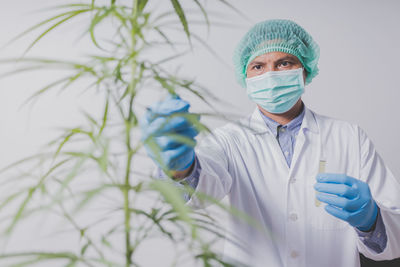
(292,125)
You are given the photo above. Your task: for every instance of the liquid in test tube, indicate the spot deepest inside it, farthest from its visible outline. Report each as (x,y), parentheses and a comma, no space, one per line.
(320,170)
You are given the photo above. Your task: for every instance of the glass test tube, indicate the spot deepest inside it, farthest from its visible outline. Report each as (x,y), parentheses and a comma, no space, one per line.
(320,170)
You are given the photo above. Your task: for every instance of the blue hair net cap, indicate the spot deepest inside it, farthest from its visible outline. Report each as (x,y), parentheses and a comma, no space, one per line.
(276,35)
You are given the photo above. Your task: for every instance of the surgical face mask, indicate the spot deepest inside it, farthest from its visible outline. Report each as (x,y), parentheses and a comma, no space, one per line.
(276,91)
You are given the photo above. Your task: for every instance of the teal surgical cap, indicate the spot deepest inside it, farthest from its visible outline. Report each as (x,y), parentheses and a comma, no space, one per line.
(276,35)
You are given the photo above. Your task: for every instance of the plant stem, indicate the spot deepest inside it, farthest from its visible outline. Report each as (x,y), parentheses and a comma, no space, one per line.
(127,206)
(127,185)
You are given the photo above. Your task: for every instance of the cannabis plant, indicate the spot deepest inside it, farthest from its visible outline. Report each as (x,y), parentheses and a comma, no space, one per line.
(95,162)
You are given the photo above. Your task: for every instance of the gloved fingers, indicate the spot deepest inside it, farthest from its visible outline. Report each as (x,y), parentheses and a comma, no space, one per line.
(332,199)
(178,157)
(163,125)
(172,96)
(340,202)
(190,132)
(353,218)
(144,120)
(164,108)
(363,188)
(338,213)
(154,152)
(166,143)
(342,190)
(184,136)
(170,141)
(173,159)
(168,106)
(176,153)
(149,115)
(335,178)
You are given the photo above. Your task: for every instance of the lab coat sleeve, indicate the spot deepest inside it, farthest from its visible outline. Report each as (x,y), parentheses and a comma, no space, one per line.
(385,190)
(214,181)
(377,238)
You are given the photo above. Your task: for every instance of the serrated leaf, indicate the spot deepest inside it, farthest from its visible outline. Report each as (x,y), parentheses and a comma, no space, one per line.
(181,14)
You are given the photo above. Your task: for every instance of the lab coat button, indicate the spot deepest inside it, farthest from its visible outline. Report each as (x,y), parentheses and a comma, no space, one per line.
(292,181)
(293,217)
(294,254)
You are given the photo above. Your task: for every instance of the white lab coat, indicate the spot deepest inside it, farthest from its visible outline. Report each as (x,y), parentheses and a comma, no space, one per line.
(246,163)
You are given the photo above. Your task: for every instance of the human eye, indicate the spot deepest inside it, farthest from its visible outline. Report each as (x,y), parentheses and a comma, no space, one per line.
(257,67)
(285,64)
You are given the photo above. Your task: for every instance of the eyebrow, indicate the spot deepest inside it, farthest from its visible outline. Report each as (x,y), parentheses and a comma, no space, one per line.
(288,57)
(281,59)
(256,63)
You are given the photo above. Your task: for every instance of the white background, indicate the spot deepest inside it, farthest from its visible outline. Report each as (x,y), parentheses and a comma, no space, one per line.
(358,79)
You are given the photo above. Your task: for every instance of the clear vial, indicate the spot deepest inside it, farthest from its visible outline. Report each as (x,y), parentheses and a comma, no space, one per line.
(321,169)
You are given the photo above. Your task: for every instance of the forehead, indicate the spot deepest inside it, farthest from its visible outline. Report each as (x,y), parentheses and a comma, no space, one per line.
(274,56)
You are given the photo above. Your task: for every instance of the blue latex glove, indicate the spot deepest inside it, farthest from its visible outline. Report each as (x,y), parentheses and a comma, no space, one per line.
(348,199)
(158,128)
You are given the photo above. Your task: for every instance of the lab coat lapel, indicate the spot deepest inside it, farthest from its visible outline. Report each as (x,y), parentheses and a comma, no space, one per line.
(259,127)
(256,124)
(309,129)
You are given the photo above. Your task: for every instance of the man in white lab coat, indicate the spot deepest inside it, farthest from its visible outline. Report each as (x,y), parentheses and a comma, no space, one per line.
(317,186)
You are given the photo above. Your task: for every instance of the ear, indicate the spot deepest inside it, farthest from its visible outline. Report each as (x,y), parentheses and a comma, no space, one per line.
(305,73)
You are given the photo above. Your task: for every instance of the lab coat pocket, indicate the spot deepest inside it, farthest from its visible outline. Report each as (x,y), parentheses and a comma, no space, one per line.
(319,218)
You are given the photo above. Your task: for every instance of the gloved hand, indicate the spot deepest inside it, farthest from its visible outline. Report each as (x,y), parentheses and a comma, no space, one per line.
(348,199)
(159,127)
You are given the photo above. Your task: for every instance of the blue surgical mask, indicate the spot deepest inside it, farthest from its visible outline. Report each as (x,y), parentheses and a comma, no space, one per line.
(276,91)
